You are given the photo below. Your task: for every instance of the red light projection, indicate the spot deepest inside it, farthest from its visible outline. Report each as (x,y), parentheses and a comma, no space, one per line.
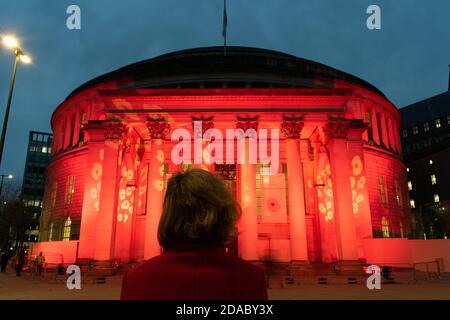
(319,205)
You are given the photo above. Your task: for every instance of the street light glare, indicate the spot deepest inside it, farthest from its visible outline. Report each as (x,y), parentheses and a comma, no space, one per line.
(10,176)
(10,42)
(25,59)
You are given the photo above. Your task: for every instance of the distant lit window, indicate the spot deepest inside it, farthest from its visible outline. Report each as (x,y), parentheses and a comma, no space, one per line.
(385,227)
(426,127)
(415,130)
(405,133)
(70,189)
(412,203)
(433,179)
(44,149)
(410,185)
(436,198)
(66,230)
(430,162)
(437,122)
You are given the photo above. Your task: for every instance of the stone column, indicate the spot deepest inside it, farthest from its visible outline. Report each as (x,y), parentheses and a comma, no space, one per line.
(248,237)
(92,189)
(384,131)
(375,130)
(335,135)
(296,191)
(76,129)
(106,218)
(358,184)
(155,186)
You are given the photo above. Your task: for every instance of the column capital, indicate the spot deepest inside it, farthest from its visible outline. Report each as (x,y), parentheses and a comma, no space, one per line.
(158,128)
(100,129)
(246,123)
(114,130)
(292,128)
(336,129)
(207,123)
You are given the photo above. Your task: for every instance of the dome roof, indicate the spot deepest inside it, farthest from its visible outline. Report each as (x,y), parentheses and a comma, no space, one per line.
(208,67)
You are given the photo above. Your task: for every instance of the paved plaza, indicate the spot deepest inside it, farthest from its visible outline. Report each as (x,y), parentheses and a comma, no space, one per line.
(29,287)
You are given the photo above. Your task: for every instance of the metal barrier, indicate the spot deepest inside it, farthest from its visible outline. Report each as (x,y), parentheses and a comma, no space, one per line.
(427,268)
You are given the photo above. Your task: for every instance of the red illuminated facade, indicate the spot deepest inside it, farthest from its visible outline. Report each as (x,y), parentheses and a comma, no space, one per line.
(340,180)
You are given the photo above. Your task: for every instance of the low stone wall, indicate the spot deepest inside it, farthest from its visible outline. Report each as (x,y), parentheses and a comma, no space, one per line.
(56,252)
(404,252)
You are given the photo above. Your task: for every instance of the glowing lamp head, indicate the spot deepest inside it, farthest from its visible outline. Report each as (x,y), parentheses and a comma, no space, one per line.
(10,42)
(24,58)
(10,176)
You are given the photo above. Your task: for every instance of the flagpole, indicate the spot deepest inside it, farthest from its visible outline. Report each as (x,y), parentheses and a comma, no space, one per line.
(224,27)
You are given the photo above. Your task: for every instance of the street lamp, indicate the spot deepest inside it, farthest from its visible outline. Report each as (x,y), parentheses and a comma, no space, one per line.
(2,176)
(12,43)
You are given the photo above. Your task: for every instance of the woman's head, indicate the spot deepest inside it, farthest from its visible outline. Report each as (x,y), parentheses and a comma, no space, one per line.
(198,207)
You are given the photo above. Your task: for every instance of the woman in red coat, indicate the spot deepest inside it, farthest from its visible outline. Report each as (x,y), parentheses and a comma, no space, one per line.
(198,218)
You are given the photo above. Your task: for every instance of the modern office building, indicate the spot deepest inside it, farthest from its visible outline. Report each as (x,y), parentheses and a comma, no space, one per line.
(38,157)
(425,135)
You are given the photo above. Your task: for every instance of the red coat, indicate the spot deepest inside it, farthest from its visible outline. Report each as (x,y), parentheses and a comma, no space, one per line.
(195,272)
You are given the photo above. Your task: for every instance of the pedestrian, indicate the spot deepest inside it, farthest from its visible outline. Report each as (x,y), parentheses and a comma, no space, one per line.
(39,262)
(198,218)
(20,262)
(4,260)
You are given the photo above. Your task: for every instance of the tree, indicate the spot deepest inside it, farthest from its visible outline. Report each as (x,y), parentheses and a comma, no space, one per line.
(15,218)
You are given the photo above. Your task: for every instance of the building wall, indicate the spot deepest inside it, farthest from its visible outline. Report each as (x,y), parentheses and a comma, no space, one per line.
(56,206)
(392,172)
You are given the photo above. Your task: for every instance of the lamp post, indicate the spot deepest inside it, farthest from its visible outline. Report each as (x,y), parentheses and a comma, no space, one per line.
(2,176)
(10,42)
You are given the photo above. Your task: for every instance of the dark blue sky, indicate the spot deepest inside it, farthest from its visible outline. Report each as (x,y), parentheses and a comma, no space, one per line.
(407,59)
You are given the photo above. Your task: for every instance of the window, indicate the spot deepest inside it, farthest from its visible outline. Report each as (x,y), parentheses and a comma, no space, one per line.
(412,204)
(382,189)
(426,127)
(437,122)
(385,228)
(436,198)
(66,230)
(433,179)
(430,162)
(70,189)
(415,130)
(409,186)
(50,232)
(44,149)
(405,133)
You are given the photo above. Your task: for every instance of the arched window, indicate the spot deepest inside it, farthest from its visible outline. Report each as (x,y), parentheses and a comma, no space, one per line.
(66,230)
(385,228)
(50,232)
